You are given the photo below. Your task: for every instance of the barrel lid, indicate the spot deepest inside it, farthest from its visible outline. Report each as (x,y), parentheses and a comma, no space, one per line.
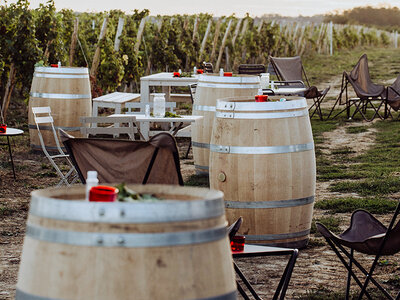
(62,70)
(203,204)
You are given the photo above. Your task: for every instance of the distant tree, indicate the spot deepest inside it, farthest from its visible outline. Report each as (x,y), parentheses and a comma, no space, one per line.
(383,17)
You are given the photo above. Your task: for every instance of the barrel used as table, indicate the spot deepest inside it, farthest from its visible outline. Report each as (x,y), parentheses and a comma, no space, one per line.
(263,159)
(175,248)
(67,91)
(209,89)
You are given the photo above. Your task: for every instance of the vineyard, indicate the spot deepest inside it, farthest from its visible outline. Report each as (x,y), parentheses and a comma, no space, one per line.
(119,48)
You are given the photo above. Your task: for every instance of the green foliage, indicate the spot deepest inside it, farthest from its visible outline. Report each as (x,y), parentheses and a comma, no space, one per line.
(331,222)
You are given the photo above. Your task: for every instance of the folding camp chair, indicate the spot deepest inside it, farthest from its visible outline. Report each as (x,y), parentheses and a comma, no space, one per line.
(368,236)
(251,69)
(392,98)
(42,115)
(208,67)
(367,92)
(116,160)
(291,73)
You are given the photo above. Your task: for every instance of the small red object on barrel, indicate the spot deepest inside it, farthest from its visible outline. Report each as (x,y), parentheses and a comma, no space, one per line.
(261,98)
(200,71)
(3,128)
(54,65)
(102,193)
(177,74)
(237,243)
(228,74)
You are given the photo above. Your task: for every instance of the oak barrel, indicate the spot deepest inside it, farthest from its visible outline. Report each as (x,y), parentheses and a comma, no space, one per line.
(67,91)
(176,248)
(209,89)
(263,159)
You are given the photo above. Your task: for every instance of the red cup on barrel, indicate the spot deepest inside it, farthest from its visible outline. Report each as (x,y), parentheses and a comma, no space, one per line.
(3,128)
(102,193)
(237,243)
(54,65)
(200,71)
(261,98)
(177,74)
(228,74)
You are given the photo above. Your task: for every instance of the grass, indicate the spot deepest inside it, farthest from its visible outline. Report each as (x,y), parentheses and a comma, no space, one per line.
(331,222)
(356,129)
(322,293)
(197,180)
(350,204)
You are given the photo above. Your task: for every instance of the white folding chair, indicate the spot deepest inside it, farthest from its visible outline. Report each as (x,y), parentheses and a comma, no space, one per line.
(71,176)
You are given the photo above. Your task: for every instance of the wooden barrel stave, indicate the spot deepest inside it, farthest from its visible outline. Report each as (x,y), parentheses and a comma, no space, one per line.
(273,190)
(67,92)
(209,89)
(138,267)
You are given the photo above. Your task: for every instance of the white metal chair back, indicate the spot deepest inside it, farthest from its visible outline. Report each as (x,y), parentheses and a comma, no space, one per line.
(42,115)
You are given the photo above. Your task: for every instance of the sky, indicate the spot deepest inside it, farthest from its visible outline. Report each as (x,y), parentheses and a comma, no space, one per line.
(217,7)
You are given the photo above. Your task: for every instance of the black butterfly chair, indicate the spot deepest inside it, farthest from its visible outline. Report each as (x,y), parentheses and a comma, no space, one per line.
(365,235)
(369,94)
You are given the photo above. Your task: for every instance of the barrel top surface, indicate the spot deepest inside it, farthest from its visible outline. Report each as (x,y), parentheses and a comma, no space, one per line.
(62,70)
(200,203)
(236,79)
(248,104)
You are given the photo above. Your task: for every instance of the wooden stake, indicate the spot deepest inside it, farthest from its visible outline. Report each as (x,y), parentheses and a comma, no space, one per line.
(221,49)
(203,43)
(96,58)
(215,41)
(74,39)
(235,35)
(195,27)
(9,88)
(120,27)
(139,35)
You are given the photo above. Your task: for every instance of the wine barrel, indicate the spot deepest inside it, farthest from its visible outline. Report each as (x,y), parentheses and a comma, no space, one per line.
(262,158)
(176,248)
(67,91)
(209,89)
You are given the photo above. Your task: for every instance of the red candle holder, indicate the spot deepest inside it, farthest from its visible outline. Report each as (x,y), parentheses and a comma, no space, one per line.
(200,71)
(102,193)
(261,98)
(228,74)
(3,128)
(237,243)
(177,74)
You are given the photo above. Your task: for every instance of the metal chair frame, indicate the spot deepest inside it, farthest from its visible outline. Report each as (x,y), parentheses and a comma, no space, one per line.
(48,119)
(342,253)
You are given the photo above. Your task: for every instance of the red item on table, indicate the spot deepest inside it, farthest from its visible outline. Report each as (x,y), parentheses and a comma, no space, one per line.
(3,128)
(54,65)
(261,98)
(177,74)
(228,74)
(102,193)
(237,243)
(200,71)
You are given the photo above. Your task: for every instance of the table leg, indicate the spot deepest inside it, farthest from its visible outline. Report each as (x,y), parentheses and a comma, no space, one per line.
(95,112)
(117,110)
(12,161)
(246,282)
(284,282)
(144,98)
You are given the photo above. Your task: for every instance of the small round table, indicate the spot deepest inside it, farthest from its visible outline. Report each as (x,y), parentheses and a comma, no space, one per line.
(11,132)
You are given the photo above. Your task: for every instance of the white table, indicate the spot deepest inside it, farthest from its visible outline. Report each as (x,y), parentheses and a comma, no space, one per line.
(178,122)
(164,80)
(114,100)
